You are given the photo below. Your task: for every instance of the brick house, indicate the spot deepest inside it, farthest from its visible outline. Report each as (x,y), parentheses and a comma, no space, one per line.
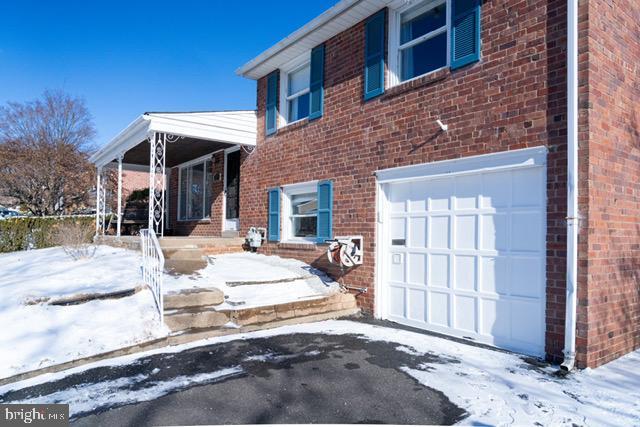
(485,151)
(441,132)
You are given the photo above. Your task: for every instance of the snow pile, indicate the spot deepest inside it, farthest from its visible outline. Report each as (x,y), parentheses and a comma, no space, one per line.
(99,396)
(39,335)
(225,271)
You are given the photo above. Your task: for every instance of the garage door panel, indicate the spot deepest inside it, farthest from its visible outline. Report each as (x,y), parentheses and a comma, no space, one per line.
(465,272)
(526,326)
(439,270)
(473,263)
(527,190)
(495,277)
(467,191)
(465,311)
(417,237)
(496,190)
(397,307)
(418,199)
(440,192)
(397,270)
(526,231)
(495,232)
(440,232)
(466,231)
(417,305)
(526,277)
(439,308)
(496,319)
(417,266)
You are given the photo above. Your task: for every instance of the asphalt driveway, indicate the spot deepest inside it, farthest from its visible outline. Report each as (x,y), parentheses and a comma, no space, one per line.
(299,378)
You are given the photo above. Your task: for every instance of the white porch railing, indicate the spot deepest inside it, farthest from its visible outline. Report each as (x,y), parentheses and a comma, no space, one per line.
(153,267)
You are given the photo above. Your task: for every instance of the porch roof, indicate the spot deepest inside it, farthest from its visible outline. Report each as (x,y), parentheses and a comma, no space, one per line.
(203,131)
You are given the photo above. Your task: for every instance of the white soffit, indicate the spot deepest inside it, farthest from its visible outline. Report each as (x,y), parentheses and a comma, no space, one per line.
(344,15)
(232,127)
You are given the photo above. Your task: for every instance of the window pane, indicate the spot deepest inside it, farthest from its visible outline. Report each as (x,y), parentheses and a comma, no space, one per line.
(305,226)
(424,57)
(184,185)
(299,80)
(304,204)
(421,20)
(197,189)
(208,189)
(299,108)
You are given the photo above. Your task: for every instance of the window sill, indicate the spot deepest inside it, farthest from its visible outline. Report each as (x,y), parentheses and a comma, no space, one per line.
(416,83)
(292,126)
(298,245)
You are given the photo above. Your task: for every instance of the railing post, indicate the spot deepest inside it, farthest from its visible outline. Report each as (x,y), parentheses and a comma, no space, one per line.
(157,150)
(98,183)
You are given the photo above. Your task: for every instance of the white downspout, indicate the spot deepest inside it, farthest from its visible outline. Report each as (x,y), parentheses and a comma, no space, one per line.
(572,186)
(119,196)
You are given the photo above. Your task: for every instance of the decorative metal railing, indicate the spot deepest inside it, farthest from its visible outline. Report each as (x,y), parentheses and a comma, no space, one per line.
(153,267)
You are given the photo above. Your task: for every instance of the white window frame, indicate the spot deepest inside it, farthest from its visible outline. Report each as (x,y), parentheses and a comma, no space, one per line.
(287,218)
(290,67)
(396,9)
(184,166)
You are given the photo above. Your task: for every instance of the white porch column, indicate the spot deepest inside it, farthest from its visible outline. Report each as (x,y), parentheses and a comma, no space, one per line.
(157,150)
(98,184)
(119,195)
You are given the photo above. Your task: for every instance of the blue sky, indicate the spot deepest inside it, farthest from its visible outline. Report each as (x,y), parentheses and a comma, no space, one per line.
(127,57)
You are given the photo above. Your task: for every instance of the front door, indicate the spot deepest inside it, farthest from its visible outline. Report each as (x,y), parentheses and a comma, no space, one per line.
(232,190)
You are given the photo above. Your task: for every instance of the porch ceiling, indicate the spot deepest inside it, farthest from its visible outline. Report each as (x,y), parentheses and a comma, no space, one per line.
(178,152)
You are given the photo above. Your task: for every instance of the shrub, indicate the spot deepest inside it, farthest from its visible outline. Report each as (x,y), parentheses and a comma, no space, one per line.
(75,238)
(17,234)
(141,194)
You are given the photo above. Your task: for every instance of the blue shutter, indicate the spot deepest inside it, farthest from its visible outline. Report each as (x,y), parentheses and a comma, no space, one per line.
(316,84)
(465,33)
(374,56)
(271,112)
(273,234)
(325,211)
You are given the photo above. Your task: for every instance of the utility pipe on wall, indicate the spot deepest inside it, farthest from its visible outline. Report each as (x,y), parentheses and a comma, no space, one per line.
(572,186)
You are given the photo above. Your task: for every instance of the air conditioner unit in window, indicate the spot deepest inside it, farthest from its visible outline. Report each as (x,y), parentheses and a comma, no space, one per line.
(345,251)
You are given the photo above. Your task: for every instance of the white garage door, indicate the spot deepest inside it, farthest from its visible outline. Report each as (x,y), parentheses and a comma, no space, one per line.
(465,256)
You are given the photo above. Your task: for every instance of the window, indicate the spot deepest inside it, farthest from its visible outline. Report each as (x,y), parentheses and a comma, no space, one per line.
(195,193)
(420,40)
(301,211)
(295,91)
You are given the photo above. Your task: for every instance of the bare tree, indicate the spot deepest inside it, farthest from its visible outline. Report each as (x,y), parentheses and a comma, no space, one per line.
(44,150)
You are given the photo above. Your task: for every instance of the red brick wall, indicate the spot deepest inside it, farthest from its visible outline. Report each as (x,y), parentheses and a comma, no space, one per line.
(612,299)
(513,98)
(133,180)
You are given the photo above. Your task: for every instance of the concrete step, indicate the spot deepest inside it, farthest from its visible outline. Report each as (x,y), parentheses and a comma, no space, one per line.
(200,242)
(187,267)
(183,254)
(190,298)
(228,234)
(193,319)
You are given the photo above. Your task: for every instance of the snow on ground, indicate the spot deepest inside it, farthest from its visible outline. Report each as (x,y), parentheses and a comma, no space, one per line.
(495,388)
(250,267)
(89,397)
(38,335)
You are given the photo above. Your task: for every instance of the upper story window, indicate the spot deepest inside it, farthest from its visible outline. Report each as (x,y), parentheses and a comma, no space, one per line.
(295,90)
(418,39)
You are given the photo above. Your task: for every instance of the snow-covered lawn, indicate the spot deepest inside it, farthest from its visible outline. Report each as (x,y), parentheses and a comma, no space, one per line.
(494,388)
(37,335)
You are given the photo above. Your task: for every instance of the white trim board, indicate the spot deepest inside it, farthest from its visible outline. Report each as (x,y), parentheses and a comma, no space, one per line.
(536,156)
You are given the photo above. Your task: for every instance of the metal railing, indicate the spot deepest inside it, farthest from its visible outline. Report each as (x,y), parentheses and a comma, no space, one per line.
(153,267)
